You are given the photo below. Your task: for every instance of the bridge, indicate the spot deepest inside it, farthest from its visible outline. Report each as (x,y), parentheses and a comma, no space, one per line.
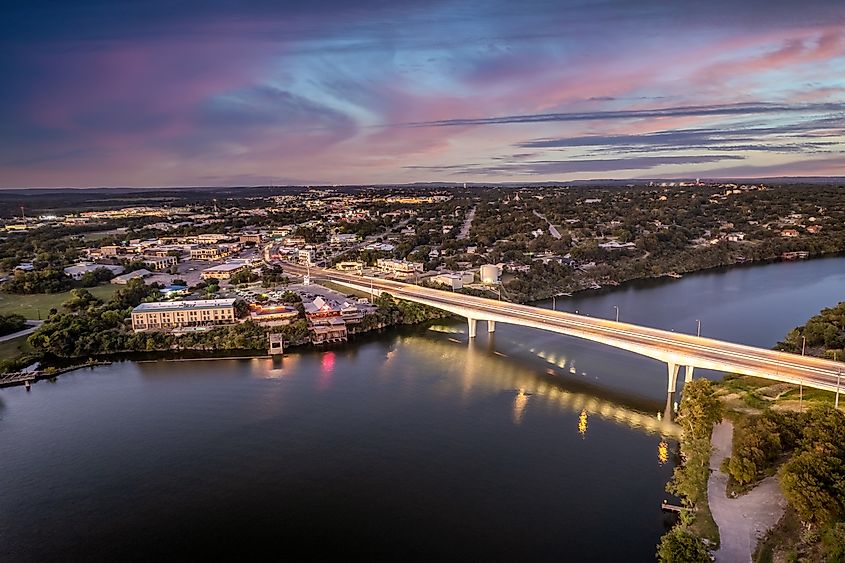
(676,350)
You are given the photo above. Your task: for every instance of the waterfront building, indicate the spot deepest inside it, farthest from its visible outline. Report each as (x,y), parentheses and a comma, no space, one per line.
(273,315)
(166,315)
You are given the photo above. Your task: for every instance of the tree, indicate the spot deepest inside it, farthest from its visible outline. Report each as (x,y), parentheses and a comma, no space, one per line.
(682,546)
(11,323)
(699,409)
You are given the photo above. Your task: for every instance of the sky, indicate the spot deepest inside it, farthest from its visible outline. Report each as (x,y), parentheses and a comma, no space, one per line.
(205,92)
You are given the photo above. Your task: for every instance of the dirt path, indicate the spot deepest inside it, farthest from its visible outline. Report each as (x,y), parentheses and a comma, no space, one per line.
(744,520)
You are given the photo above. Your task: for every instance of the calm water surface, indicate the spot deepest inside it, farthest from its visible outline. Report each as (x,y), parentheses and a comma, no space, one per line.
(411,445)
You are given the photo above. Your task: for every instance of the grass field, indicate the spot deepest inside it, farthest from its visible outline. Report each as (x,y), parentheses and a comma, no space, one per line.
(30,305)
(14,347)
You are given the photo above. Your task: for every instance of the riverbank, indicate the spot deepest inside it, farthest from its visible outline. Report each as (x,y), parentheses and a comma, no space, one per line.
(588,285)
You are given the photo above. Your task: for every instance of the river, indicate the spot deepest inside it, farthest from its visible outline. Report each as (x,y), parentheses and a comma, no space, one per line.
(411,445)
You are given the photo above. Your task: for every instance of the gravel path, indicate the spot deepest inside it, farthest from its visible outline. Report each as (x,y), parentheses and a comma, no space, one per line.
(744,520)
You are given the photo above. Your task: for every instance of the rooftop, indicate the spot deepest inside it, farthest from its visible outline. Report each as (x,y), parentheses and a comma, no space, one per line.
(183,305)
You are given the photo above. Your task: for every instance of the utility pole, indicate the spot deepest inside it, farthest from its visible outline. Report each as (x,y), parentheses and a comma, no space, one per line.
(698,329)
(617,313)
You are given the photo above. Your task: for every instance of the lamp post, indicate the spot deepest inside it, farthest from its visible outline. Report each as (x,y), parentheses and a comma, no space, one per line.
(554,303)
(838,380)
(617,313)
(803,344)
(698,327)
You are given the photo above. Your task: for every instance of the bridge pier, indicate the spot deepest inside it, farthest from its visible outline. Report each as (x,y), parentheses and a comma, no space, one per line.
(491,326)
(688,373)
(673,376)
(472,323)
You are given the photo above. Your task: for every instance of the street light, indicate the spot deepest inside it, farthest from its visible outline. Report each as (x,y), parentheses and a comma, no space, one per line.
(554,303)
(698,329)
(838,380)
(617,313)
(803,344)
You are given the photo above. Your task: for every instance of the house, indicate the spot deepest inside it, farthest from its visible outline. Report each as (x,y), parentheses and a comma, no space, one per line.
(789,233)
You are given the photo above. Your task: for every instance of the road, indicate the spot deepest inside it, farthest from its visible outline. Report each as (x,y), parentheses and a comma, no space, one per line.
(33,326)
(671,347)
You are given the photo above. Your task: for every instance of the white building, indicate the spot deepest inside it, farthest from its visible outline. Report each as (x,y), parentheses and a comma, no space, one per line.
(398,267)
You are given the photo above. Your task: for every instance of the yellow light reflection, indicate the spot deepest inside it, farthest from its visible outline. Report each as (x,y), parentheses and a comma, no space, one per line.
(519,403)
(662,452)
(582,423)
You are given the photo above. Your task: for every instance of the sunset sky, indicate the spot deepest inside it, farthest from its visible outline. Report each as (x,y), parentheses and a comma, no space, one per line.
(167,93)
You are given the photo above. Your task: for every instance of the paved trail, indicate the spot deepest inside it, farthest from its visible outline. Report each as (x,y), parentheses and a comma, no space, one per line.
(33,326)
(743,520)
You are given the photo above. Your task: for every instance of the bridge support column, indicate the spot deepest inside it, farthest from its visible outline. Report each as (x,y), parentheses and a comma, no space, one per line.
(472,323)
(688,373)
(491,326)
(673,377)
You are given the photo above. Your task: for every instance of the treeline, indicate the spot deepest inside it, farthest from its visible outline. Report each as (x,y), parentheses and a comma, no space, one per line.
(46,280)
(392,312)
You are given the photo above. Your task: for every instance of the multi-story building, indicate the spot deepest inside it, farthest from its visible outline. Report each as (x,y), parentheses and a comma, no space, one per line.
(160,262)
(209,252)
(166,315)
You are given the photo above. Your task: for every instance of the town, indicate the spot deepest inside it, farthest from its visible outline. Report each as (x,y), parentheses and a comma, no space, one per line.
(216,259)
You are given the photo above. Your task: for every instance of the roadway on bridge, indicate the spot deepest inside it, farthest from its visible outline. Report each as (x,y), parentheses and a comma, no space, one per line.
(693,350)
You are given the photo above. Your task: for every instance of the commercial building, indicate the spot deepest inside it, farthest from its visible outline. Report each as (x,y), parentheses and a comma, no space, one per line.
(349,266)
(123,279)
(159,262)
(455,280)
(306,256)
(78,270)
(216,252)
(223,271)
(343,238)
(165,315)
(273,315)
(398,267)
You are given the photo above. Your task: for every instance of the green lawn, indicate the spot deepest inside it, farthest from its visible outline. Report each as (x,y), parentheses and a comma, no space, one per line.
(30,305)
(14,347)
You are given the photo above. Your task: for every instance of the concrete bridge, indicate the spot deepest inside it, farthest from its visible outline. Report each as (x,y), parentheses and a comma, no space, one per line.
(676,350)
